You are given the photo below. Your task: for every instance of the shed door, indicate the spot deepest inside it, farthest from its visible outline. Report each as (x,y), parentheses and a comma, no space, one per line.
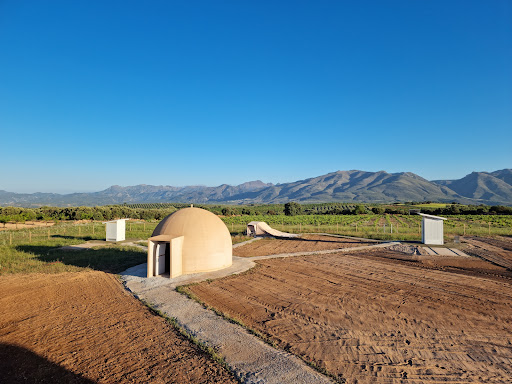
(111,229)
(160,252)
(434,232)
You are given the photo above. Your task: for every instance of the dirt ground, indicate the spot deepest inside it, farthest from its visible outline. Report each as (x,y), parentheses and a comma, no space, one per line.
(497,250)
(380,316)
(305,243)
(85,328)
(27,224)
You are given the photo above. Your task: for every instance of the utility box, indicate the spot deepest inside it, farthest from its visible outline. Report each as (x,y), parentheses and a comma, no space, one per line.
(432,231)
(115,230)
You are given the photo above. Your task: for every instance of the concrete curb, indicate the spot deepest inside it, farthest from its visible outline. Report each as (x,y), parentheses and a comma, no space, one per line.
(327,251)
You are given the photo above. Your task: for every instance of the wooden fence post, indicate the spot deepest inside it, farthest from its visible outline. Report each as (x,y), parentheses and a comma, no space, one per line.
(29,236)
(93,227)
(489,228)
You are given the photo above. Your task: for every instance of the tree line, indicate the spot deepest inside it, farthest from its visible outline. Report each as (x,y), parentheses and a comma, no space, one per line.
(18,214)
(110,212)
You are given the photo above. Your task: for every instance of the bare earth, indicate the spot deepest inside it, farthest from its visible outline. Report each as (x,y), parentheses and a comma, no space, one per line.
(380,316)
(27,224)
(305,243)
(497,250)
(84,328)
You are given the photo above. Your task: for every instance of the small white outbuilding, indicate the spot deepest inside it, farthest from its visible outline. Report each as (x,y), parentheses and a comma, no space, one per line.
(115,230)
(432,231)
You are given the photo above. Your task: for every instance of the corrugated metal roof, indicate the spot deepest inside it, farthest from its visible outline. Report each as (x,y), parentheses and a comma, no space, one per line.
(432,216)
(113,221)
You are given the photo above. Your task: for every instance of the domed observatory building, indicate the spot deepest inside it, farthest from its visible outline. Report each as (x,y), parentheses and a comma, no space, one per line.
(190,240)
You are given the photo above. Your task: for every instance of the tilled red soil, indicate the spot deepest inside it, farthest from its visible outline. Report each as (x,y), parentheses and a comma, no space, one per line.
(84,328)
(497,250)
(305,243)
(379,316)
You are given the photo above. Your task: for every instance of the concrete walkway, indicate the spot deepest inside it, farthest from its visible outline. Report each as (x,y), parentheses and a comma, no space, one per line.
(444,252)
(250,358)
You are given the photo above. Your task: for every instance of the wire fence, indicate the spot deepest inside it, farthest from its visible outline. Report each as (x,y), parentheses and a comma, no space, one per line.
(78,231)
(385,227)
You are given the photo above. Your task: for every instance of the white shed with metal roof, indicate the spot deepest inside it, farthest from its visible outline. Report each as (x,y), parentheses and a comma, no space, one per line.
(432,231)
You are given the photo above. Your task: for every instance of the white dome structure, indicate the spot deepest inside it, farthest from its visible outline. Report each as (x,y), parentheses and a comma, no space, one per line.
(188,241)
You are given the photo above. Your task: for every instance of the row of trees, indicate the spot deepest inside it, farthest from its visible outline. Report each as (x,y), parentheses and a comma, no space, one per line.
(18,214)
(458,209)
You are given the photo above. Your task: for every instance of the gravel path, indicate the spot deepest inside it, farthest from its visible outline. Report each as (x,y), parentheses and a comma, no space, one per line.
(250,358)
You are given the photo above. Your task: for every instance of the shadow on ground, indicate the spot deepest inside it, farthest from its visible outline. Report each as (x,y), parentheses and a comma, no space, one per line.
(113,259)
(20,365)
(84,238)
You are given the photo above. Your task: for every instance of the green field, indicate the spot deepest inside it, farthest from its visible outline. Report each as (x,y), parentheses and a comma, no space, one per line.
(431,205)
(36,249)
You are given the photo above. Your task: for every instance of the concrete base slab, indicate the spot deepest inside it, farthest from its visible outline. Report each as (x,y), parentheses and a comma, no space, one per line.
(444,252)
(439,251)
(429,251)
(459,252)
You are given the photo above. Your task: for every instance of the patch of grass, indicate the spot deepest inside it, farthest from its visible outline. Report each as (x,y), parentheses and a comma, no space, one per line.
(240,238)
(47,257)
(431,205)
(14,260)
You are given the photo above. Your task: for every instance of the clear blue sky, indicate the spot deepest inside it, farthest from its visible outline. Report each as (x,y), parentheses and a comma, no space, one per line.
(96,93)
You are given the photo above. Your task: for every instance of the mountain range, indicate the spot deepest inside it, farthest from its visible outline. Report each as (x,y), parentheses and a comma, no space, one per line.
(492,188)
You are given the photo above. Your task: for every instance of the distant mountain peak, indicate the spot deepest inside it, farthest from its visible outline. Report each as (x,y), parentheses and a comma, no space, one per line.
(343,186)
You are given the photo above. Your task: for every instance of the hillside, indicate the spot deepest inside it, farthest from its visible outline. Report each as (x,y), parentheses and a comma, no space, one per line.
(347,186)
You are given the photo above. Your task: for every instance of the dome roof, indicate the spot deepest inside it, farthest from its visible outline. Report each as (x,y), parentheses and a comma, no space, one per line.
(207,242)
